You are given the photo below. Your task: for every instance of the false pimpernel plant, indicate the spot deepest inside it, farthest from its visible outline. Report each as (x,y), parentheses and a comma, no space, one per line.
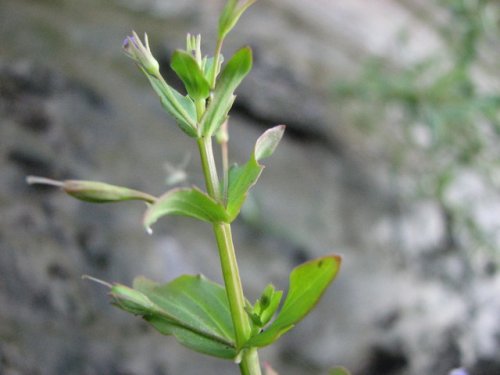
(202,315)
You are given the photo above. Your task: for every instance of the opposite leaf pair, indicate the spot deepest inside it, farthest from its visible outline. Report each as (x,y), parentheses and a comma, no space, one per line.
(190,202)
(196,310)
(197,204)
(205,107)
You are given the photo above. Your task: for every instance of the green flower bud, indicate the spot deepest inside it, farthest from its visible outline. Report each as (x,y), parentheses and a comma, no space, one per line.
(93,191)
(131,300)
(141,53)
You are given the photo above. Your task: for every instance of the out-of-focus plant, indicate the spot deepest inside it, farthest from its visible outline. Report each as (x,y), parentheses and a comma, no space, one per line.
(449,123)
(204,316)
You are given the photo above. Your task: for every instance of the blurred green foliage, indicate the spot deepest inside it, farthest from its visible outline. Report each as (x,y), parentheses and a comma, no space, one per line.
(442,98)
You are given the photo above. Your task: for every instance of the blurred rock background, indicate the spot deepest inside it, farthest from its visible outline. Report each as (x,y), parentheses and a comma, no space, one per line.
(390,159)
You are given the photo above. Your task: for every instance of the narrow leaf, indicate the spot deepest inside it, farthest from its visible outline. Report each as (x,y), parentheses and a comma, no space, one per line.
(241,179)
(191,75)
(191,308)
(267,142)
(230,16)
(180,107)
(186,202)
(308,282)
(230,78)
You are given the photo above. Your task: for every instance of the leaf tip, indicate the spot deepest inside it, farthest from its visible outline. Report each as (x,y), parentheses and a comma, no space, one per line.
(266,144)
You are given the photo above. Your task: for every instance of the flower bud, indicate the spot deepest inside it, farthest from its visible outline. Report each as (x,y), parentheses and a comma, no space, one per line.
(131,300)
(141,53)
(93,191)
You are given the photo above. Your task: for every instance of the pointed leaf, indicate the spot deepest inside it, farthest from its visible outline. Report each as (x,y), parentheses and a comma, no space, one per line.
(241,179)
(267,142)
(226,19)
(308,282)
(186,202)
(191,308)
(230,16)
(180,107)
(191,75)
(232,75)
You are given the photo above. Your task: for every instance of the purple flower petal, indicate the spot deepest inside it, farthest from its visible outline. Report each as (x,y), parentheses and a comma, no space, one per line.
(126,43)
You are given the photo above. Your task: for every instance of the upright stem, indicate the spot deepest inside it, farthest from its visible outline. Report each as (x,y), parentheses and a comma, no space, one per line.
(208,166)
(249,364)
(223,139)
(232,280)
(218,49)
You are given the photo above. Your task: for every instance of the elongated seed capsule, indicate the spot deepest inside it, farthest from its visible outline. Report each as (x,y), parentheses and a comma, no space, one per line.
(131,300)
(93,191)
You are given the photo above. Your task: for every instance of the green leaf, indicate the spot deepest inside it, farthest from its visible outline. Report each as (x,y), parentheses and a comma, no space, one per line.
(230,16)
(191,75)
(191,308)
(186,202)
(241,179)
(230,78)
(308,282)
(182,108)
(208,68)
(267,142)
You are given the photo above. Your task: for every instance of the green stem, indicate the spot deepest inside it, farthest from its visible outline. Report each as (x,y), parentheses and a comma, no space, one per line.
(225,169)
(218,49)
(232,280)
(208,166)
(249,364)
